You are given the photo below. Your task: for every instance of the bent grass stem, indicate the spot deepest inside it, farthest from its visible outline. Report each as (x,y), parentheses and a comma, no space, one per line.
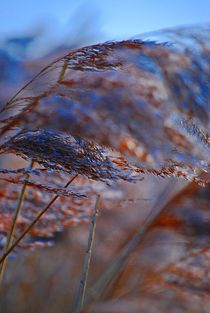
(25,232)
(14,221)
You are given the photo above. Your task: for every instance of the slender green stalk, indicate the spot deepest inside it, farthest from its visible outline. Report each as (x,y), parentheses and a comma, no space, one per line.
(14,222)
(87,259)
(25,232)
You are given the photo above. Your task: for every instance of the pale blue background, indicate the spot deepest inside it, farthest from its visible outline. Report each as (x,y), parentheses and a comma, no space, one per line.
(111,19)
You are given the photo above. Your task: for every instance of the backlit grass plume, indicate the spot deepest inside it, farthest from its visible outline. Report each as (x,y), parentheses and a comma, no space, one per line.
(146,101)
(143,98)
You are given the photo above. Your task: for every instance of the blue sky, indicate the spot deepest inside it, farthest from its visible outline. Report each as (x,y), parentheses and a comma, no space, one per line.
(118,17)
(115,18)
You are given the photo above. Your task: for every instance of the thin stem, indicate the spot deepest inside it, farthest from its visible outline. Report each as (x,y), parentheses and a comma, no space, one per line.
(25,232)
(111,274)
(87,259)
(14,222)
(63,71)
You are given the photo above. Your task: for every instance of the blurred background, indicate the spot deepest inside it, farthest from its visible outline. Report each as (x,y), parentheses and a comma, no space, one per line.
(44,25)
(33,33)
(42,30)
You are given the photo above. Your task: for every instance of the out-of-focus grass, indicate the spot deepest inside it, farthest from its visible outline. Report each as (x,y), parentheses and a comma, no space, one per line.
(48,279)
